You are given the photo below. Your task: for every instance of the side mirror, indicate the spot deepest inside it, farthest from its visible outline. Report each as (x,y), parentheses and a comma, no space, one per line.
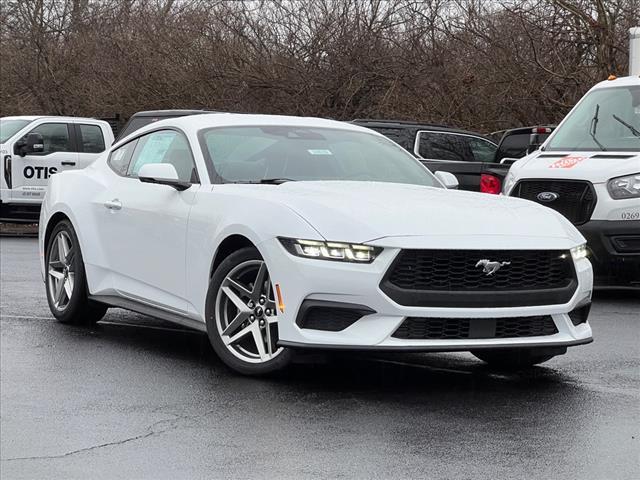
(448,179)
(30,143)
(534,142)
(162,174)
(508,160)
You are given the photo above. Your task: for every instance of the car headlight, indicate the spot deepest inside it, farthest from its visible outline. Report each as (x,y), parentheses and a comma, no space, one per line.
(341,252)
(624,187)
(579,252)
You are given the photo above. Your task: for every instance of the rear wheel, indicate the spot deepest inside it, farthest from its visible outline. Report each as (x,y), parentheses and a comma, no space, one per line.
(66,281)
(242,320)
(512,359)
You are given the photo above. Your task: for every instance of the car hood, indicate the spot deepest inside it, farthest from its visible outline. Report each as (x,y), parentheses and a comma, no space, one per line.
(596,167)
(361,212)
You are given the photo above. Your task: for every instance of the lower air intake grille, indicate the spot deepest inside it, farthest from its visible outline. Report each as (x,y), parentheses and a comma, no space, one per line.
(330,316)
(418,328)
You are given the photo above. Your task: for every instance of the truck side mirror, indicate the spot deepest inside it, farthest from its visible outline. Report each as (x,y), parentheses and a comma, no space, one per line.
(534,143)
(30,143)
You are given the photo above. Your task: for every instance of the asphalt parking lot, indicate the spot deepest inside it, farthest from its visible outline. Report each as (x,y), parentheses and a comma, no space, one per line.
(134,397)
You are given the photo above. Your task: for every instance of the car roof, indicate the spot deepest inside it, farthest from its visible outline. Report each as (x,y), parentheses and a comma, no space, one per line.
(170,113)
(406,123)
(618,82)
(53,117)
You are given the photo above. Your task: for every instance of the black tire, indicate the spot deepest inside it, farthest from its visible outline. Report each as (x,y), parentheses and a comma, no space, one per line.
(77,309)
(512,359)
(280,361)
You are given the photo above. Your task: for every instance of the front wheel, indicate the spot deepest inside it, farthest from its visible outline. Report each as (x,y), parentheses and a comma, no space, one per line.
(242,321)
(512,359)
(66,280)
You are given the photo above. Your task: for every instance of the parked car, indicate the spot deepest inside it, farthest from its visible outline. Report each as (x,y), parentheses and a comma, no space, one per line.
(589,171)
(33,148)
(144,118)
(274,233)
(470,156)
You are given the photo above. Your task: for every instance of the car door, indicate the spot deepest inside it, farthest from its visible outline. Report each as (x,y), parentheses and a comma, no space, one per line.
(466,156)
(143,225)
(30,173)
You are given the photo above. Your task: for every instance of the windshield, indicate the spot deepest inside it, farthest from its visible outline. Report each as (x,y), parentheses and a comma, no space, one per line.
(9,127)
(252,154)
(607,119)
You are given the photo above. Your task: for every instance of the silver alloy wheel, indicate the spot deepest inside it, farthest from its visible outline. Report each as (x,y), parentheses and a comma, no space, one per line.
(60,271)
(246,315)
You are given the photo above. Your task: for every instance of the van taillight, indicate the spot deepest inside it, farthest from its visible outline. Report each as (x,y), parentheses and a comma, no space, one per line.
(7,170)
(490,184)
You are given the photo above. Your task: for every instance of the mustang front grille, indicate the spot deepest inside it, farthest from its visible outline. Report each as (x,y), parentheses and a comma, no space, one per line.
(480,278)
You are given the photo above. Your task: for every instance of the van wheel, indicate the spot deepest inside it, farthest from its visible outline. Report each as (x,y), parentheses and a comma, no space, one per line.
(66,281)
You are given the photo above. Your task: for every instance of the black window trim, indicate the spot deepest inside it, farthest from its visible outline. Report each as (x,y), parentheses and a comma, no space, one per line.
(416,145)
(149,132)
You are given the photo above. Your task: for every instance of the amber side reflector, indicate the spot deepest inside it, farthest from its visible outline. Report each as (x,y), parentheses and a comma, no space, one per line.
(280,301)
(611,77)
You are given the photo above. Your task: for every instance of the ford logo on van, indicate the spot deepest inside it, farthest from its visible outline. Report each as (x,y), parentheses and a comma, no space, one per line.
(547,196)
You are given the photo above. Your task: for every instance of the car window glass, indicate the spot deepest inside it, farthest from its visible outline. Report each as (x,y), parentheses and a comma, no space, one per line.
(91,139)
(166,146)
(250,154)
(55,137)
(482,150)
(443,146)
(405,137)
(119,158)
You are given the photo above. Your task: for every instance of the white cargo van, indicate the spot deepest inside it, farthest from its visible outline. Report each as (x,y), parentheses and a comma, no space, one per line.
(32,148)
(589,171)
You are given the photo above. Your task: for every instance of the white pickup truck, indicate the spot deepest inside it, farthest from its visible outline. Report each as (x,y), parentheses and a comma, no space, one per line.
(589,171)
(32,148)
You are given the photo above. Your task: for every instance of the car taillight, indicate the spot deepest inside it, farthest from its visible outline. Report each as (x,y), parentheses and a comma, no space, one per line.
(490,184)
(7,170)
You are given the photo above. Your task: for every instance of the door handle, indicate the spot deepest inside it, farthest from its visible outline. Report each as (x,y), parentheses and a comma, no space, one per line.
(113,204)
(68,164)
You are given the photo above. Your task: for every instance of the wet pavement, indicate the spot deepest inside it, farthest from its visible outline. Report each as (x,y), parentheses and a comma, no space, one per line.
(134,397)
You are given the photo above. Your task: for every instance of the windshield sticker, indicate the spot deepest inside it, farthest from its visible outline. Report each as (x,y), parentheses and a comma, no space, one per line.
(319,152)
(567,162)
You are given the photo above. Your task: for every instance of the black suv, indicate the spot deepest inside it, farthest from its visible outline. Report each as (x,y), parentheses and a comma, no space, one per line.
(470,156)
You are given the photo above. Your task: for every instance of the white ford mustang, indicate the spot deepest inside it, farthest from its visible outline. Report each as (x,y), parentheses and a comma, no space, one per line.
(274,233)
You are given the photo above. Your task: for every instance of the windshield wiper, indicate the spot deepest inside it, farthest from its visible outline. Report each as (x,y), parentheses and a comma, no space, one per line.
(275,181)
(634,130)
(594,126)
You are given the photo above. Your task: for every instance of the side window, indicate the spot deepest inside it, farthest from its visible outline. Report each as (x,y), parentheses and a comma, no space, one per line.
(119,159)
(166,146)
(443,146)
(91,139)
(55,137)
(482,150)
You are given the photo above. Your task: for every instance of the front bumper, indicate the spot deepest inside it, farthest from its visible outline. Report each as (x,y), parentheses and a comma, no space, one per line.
(614,248)
(303,279)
